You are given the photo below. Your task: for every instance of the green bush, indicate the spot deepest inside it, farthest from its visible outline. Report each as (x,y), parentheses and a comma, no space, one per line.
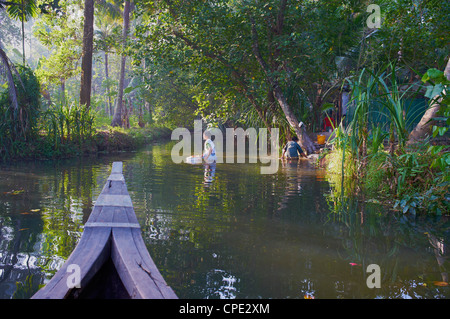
(18,127)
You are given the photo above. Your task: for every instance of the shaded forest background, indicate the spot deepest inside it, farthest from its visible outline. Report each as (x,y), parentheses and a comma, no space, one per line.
(281,63)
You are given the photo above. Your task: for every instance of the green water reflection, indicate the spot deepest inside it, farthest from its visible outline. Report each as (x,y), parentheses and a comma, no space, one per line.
(223,231)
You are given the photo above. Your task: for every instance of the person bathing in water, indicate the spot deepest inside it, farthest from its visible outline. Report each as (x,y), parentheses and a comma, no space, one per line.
(209,154)
(292,150)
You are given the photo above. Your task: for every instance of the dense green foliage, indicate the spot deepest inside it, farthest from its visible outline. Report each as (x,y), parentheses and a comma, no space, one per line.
(411,178)
(205,50)
(19,126)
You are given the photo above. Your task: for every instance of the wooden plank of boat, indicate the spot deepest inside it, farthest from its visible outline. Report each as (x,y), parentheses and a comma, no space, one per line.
(111,256)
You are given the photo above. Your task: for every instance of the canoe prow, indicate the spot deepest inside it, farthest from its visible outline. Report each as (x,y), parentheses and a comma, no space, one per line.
(111,259)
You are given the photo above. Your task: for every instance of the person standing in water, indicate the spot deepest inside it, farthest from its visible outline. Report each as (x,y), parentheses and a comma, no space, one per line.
(292,150)
(209,153)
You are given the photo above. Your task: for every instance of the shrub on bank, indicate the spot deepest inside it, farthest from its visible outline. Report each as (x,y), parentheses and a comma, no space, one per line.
(19,113)
(408,181)
(412,174)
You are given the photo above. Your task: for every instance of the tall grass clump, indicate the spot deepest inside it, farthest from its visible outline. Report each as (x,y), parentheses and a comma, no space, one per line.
(341,163)
(378,102)
(68,127)
(372,158)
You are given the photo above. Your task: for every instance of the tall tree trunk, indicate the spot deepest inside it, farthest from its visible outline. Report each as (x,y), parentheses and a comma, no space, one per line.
(305,141)
(30,55)
(63,91)
(108,91)
(23,32)
(8,68)
(141,115)
(423,128)
(86,62)
(117,119)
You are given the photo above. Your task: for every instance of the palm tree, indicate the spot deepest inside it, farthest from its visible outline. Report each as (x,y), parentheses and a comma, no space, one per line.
(21,10)
(117,119)
(14,114)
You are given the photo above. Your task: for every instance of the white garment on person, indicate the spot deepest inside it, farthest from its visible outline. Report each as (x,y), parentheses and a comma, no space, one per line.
(212,157)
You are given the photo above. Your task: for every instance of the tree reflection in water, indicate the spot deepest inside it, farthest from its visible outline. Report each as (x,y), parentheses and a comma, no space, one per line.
(224,232)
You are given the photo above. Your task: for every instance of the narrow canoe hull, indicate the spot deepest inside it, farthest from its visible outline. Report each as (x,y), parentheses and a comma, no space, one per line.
(106,284)
(111,260)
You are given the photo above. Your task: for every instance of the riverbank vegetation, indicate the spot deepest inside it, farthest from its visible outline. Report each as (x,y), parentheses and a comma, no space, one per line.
(62,130)
(380,161)
(80,77)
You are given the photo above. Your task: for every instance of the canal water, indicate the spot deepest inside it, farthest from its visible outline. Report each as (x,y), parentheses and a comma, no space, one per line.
(225,231)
